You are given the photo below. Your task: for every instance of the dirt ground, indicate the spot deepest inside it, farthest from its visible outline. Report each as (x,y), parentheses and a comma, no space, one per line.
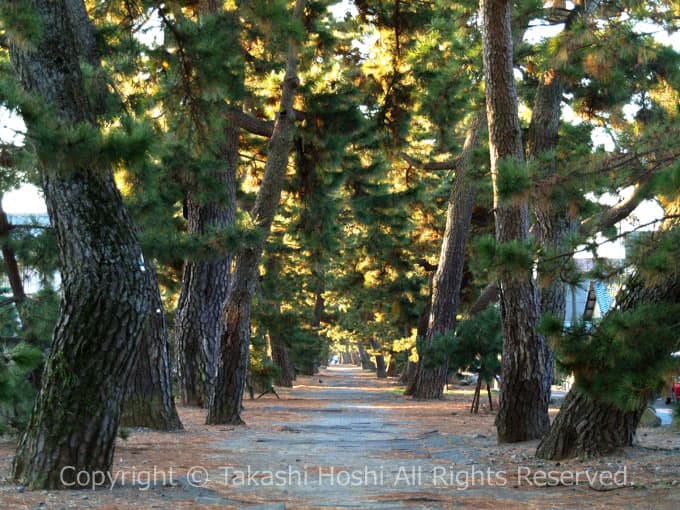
(343,439)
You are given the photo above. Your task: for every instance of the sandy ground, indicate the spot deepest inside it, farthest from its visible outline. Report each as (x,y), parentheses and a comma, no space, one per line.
(345,440)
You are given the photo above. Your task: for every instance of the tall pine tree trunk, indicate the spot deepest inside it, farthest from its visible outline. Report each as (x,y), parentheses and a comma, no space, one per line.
(525,377)
(276,329)
(149,401)
(430,381)
(553,224)
(225,402)
(105,299)
(205,284)
(410,375)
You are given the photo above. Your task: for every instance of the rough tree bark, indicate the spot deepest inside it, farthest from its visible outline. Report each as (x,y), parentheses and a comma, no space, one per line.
(105,301)
(552,224)
(225,402)
(429,382)
(525,378)
(588,426)
(205,283)
(149,400)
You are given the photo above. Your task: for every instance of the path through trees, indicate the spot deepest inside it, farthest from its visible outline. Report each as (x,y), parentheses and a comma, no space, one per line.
(397,453)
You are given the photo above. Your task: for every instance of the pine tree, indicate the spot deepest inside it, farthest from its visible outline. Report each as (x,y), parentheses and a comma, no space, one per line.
(619,365)
(525,379)
(225,403)
(105,298)
(210,201)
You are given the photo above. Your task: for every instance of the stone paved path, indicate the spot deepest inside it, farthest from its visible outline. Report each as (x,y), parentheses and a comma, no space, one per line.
(356,450)
(342,440)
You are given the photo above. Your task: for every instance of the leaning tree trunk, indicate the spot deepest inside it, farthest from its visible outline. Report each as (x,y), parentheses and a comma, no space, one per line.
(525,376)
(225,402)
(105,301)
(13,274)
(430,381)
(149,401)
(10,261)
(588,427)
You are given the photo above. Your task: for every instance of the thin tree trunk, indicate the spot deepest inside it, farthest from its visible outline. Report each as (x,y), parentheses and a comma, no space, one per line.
(380,367)
(225,402)
(10,260)
(105,300)
(319,301)
(525,379)
(430,381)
(281,358)
(421,332)
(366,362)
(149,401)
(18,293)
